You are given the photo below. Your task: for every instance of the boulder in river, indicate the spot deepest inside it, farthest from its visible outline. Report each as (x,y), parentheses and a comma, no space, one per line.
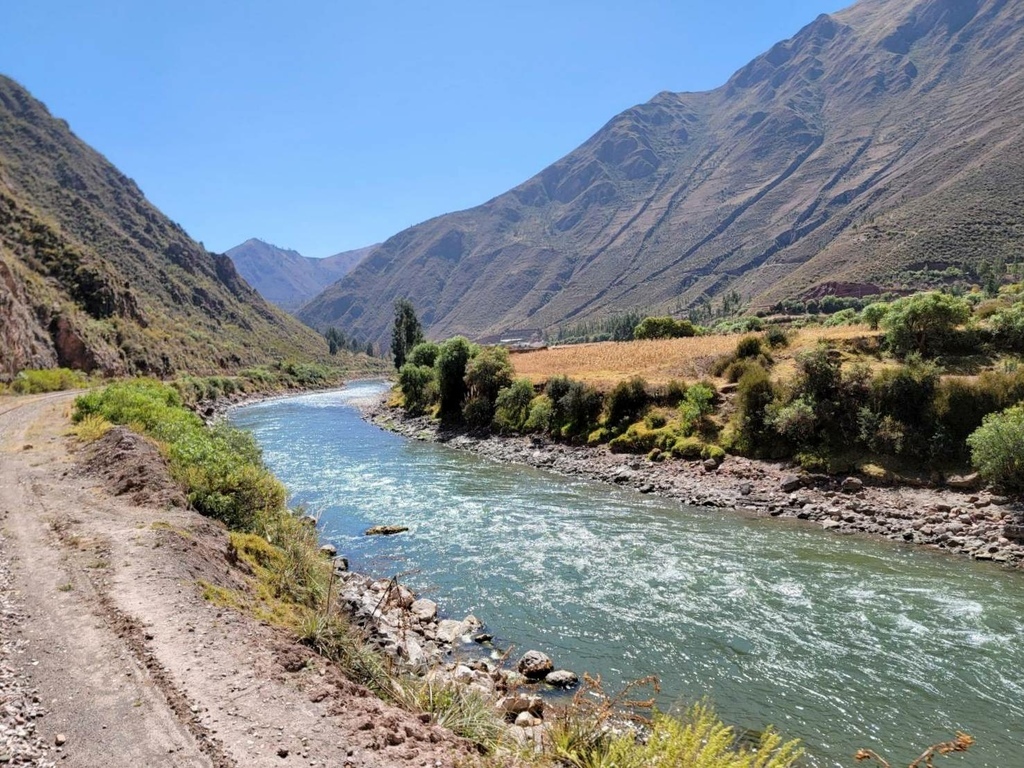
(386,530)
(329,550)
(562,678)
(535,665)
(424,609)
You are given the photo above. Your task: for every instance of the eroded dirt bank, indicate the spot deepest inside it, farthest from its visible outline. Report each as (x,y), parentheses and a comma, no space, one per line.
(120,661)
(972,523)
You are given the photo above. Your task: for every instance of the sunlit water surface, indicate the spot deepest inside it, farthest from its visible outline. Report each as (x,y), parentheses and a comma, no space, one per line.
(843,642)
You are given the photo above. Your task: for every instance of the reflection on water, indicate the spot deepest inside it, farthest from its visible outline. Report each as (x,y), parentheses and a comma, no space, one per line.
(842,642)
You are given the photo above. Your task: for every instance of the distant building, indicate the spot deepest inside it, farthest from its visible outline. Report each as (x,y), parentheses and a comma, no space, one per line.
(515,340)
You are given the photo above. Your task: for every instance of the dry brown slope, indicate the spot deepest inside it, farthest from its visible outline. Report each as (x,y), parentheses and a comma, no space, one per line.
(876,140)
(93,276)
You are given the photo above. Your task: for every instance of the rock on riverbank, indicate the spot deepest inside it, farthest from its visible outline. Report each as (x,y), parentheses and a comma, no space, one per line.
(965,522)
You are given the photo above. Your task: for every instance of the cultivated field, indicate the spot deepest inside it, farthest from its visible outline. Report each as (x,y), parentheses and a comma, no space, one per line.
(605,364)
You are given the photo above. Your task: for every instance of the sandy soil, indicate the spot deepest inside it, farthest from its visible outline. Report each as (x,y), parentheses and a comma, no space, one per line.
(132,667)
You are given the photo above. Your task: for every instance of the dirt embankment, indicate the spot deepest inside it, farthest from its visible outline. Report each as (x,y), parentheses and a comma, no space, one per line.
(972,523)
(112,657)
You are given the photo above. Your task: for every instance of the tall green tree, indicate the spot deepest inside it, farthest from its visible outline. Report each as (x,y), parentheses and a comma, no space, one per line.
(406,332)
(450,369)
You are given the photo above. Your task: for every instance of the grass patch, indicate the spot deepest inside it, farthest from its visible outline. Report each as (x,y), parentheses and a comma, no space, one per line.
(34,382)
(91,427)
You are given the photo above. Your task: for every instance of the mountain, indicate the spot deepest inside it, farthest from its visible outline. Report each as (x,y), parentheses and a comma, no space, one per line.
(287,278)
(877,144)
(93,276)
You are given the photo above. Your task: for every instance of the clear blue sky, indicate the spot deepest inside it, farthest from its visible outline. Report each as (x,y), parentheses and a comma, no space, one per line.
(324,126)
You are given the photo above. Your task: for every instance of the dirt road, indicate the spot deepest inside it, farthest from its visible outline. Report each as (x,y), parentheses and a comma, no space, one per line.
(131,665)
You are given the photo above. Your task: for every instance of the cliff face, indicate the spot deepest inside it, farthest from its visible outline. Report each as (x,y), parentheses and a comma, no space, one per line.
(92,276)
(876,142)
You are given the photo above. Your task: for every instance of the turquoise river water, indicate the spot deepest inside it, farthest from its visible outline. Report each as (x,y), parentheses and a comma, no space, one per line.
(843,642)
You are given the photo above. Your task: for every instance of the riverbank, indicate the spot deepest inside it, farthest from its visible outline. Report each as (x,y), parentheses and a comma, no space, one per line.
(968,522)
(124,658)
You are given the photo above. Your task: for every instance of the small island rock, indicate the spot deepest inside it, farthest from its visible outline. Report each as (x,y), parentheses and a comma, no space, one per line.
(535,665)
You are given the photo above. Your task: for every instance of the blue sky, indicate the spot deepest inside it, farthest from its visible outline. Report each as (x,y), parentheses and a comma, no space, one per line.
(324,126)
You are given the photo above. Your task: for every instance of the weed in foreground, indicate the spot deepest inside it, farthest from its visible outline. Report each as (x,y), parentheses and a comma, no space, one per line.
(961,743)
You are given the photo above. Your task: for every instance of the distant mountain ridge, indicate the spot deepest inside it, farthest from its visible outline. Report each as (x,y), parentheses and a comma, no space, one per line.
(287,278)
(878,142)
(93,276)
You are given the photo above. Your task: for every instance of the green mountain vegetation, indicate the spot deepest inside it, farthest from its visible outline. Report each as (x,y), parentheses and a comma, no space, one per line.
(879,148)
(287,278)
(94,277)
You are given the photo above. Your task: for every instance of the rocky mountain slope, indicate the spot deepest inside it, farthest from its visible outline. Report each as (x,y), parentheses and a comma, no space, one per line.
(876,143)
(92,276)
(287,278)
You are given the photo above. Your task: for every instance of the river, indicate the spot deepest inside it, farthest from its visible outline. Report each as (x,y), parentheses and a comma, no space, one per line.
(843,642)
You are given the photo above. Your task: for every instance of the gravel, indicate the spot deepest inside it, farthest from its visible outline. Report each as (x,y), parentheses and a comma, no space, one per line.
(20,744)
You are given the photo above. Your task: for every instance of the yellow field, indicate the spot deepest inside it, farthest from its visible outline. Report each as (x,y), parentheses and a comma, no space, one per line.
(607,363)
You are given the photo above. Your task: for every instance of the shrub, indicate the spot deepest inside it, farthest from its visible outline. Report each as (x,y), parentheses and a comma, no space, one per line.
(711,451)
(696,407)
(1008,327)
(688,448)
(580,408)
(424,353)
(752,433)
(92,427)
(776,337)
(873,314)
(512,408)
(626,403)
(541,412)
(997,448)
(924,323)
(663,328)
(418,385)
(748,347)
(639,438)
(221,468)
(486,375)
(699,740)
(33,382)
(847,316)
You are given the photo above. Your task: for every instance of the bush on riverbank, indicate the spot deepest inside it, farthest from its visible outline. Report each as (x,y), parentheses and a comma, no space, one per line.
(35,382)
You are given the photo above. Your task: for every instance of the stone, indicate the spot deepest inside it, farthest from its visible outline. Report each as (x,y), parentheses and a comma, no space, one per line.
(791,483)
(516,703)
(710,465)
(60,740)
(526,720)
(852,485)
(449,631)
(965,482)
(424,609)
(329,550)
(308,520)
(746,489)
(562,678)
(535,665)
(386,530)
(282,751)
(482,638)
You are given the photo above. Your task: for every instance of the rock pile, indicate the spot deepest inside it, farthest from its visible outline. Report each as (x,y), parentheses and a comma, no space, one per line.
(409,630)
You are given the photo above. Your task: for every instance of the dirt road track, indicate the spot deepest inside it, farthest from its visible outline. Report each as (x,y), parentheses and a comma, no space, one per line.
(132,666)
